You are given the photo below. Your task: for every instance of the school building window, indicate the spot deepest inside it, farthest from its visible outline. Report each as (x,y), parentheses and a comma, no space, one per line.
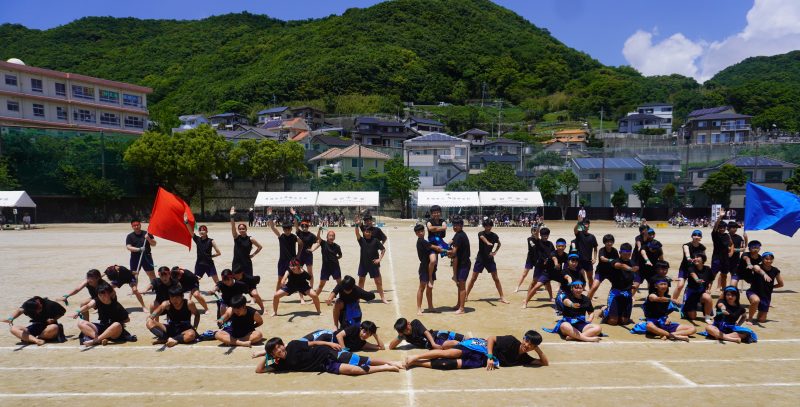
(61,89)
(38,110)
(11,80)
(61,113)
(134,121)
(36,85)
(83,92)
(109,118)
(109,96)
(83,115)
(630,176)
(131,100)
(12,106)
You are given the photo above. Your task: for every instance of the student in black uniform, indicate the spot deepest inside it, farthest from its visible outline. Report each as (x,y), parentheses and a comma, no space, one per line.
(657,308)
(306,255)
(179,328)
(748,262)
(354,337)
(530,259)
(119,276)
(372,252)
(243,246)
(296,280)
(571,272)
(488,246)
(585,245)
(690,250)
(606,257)
(251,282)
(620,298)
(139,243)
(190,283)
(723,247)
(288,247)
(437,230)
(766,278)
(112,319)
(93,278)
(491,353)
(303,356)
(574,324)
(228,288)
(331,253)
(204,265)
(416,334)
(347,310)
(739,247)
(729,318)
(369,222)
(161,286)
(651,254)
(240,324)
(44,326)
(427,269)
(553,264)
(698,290)
(460,253)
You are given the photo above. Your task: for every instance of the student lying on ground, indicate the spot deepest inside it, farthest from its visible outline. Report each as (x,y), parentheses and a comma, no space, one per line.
(496,351)
(416,334)
(305,356)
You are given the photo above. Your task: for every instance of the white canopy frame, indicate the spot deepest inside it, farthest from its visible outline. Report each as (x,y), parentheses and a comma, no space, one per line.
(17,199)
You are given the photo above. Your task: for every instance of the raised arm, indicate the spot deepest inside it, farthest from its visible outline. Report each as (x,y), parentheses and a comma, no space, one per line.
(188,226)
(271,222)
(233,222)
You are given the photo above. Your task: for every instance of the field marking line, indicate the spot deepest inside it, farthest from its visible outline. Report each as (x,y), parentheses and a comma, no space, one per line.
(681,378)
(567,363)
(408,376)
(266,393)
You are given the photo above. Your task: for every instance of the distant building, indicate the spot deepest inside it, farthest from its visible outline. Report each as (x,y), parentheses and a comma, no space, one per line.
(476,137)
(226,121)
(568,142)
(38,97)
(647,116)
(765,171)
(239,132)
(668,165)
(371,131)
(192,121)
(424,126)
(274,113)
(439,158)
(314,118)
(320,143)
(619,172)
(719,125)
(344,160)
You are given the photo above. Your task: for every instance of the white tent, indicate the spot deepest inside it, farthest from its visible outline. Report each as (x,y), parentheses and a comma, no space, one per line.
(348,198)
(283,199)
(447,199)
(16,199)
(527,199)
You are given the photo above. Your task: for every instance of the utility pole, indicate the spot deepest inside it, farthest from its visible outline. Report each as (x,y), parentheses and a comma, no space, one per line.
(359,161)
(603,171)
(499,117)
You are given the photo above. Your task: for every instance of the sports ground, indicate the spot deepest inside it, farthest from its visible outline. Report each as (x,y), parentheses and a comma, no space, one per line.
(622,368)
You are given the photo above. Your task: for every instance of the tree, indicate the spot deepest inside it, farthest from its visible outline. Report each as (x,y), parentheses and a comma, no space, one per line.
(7,181)
(668,194)
(400,181)
(548,158)
(718,185)
(183,162)
(547,186)
(619,199)
(793,183)
(644,189)
(567,183)
(496,177)
(273,161)
(651,173)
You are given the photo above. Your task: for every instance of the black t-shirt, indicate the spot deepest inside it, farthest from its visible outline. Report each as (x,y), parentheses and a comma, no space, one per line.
(228,292)
(532,253)
(585,243)
(553,272)
(639,243)
(506,349)
(544,250)
(354,295)
(461,241)
(138,241)
(50,310)
(112,312)
(484,249)
(622,279)
(175,315)
(298,279)
(610,254)
(693,252)
(162,289)
(352,338)
(189,281)
(705,274)
(575,275)
(303,358)
(307,238)
(249,281)
(331,253)
(287,245)
(423,251)
(370,250)
(585,307)
(377,233)
(654,309)
(435,222)
(243,323)
(417,336)
(722,242)
(204,247)
(241,250)
(760,286)
(738,243)
(734,313)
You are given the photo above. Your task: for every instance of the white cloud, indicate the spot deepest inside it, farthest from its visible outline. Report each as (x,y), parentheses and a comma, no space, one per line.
(773,27)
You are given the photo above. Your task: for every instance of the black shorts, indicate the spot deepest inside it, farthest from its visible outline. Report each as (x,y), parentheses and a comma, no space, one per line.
(471,359)
(423,273)
(177,328)
(291,289)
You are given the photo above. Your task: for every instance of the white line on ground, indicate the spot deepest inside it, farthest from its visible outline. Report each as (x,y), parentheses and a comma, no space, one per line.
(266,393)
(409,377)
(681,378)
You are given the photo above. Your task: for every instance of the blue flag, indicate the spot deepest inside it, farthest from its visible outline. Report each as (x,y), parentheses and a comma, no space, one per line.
(768,208)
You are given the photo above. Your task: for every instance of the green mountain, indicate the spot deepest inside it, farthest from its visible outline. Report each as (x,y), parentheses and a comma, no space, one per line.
(365,60)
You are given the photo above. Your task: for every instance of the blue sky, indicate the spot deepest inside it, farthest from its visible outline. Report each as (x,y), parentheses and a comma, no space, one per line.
(601,28)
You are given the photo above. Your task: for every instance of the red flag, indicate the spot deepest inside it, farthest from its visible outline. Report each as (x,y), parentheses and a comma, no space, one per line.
(166,220)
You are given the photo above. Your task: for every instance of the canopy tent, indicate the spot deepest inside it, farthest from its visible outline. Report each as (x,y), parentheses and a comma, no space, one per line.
(348,198)
(447,199)
(283,199)
(16,199)
(527,199)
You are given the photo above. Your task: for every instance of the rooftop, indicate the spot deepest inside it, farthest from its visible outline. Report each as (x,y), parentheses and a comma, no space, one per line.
(423,120)
(709,110)
(502,140)
(271,110)
(351,152)
(332,141)
(376,121)
(491,158)
(568,132)
(610,163)
(435,137)
(474,132)
(750,162)
(641,116)
(224,115)
(654,104)
(721,116)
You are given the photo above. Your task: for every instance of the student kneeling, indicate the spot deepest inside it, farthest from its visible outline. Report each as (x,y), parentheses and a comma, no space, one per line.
(239,324)
(305,356)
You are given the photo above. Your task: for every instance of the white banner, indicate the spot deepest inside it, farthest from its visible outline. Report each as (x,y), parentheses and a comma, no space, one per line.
(284,199)
(527,199)
(348,198)
(447,199)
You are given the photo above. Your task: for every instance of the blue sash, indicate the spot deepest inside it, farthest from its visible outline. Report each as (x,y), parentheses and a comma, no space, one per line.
(316,334)
(478,345)
(612,297)
(724,326)
(436,240)
(572,321)
(641,327)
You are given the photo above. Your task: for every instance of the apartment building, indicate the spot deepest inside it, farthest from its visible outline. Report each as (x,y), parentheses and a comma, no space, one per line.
(38,97)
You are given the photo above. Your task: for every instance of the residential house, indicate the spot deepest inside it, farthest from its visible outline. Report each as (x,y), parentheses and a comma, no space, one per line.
(476,137)
(571,142)
(294,129)
(619,172)
(274,113)
(439,158)
(371,131)
(192,121)
(769,172)
(668,165)
(38,97)
(719,125)
(647,116)
(497,150)
(240,132)
(424,126)
(321,142)
(226,121)
(349,159)
(314,118)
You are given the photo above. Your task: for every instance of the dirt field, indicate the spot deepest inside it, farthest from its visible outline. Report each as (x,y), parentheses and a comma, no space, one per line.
(623,367)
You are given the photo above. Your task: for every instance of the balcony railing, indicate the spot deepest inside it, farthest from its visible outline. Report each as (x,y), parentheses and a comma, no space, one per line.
(734,127)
